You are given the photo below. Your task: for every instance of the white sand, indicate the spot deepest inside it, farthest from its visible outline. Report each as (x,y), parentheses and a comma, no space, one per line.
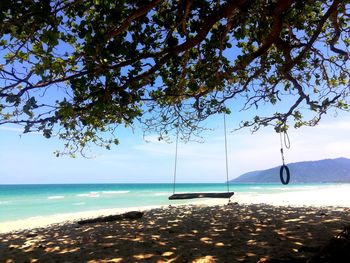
(337,196)
(43,221)
(191,233)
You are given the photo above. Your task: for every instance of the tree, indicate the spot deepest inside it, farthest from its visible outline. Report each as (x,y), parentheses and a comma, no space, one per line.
(82,68)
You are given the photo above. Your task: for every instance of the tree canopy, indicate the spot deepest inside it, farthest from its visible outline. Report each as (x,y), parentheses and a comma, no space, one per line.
(79,69)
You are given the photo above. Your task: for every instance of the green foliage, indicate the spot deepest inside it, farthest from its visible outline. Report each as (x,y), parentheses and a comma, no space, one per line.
(80,69)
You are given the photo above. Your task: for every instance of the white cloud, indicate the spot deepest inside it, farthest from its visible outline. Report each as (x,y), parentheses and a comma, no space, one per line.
(335,126)
(11,129)
(16,130)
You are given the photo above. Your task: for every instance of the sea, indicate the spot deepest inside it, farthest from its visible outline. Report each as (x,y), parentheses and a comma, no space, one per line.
(26,201)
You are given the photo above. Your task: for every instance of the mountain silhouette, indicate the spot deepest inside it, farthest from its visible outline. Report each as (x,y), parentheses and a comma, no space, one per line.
(322,171)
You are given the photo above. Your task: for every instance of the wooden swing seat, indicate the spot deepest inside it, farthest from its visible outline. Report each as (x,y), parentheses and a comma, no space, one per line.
(200,195)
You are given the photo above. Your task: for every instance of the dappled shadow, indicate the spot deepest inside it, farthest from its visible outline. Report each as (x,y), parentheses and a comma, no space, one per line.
(231,233)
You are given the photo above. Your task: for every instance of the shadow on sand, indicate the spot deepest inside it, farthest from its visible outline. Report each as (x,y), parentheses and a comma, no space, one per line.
(230,233)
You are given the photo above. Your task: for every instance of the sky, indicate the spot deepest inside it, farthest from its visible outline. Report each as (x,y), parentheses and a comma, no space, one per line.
(29,158)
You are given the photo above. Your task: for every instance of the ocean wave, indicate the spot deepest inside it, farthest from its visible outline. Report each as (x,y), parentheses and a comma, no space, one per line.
(92,195)
(115,192)
(56,197)
(83,195)
(5,202)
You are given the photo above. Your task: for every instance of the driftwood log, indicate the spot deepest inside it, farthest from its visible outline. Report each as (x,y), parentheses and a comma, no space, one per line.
(126,216)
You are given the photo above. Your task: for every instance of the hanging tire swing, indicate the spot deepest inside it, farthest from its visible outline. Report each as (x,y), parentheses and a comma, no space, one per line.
(284,170)
(287,179)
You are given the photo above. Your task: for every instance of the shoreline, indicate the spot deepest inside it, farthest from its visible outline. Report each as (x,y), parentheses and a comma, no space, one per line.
(329,197)
(69,218)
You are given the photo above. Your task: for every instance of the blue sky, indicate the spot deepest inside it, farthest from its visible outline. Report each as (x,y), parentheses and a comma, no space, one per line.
(29,158)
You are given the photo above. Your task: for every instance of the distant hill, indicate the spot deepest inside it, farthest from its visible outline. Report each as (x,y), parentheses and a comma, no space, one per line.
(322,171)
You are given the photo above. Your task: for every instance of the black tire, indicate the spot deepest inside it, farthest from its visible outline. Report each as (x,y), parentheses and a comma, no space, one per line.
(284,181)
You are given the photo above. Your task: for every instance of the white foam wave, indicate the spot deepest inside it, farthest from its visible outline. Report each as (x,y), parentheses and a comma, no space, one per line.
(115,192)
(83,195)
(56,197)
(5,202)
(92,195)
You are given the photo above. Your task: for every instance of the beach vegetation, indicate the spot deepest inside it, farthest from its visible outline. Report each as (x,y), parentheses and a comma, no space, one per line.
(80,69)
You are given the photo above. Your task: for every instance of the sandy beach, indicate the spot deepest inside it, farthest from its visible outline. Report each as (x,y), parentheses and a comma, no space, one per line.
(249,229)
(191,233)
(221,233)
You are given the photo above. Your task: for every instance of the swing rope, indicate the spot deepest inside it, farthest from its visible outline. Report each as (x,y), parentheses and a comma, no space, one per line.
(176,154)
(282,153)
(175,161)
(227,183)
(286,142)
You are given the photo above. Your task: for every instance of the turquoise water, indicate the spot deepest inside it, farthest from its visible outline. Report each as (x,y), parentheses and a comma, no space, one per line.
(25,201)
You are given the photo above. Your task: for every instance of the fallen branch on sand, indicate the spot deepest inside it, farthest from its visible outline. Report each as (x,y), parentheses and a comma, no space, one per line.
(126,216)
